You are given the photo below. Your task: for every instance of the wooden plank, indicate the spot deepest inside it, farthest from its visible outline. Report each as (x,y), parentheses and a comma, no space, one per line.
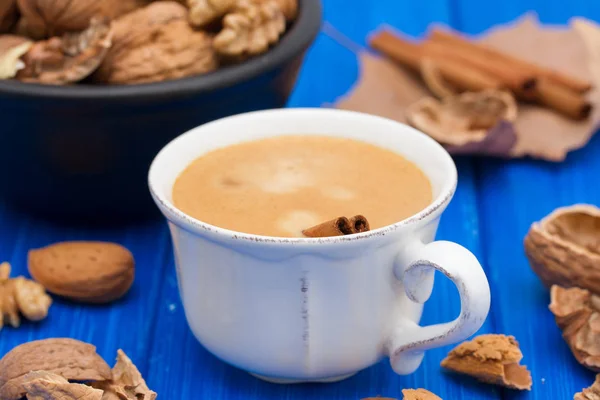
(513,195)
(181,368)
(128,324)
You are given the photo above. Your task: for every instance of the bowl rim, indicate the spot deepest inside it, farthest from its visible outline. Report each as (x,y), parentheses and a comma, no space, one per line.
(299,37)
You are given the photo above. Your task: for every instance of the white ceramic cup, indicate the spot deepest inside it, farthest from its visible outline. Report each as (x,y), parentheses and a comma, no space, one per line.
(318,309)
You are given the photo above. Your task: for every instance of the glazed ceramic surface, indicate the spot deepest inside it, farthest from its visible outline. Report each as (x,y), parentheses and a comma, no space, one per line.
(318,309)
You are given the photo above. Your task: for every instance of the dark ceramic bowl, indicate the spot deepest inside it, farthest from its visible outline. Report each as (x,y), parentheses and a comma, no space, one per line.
(82,153)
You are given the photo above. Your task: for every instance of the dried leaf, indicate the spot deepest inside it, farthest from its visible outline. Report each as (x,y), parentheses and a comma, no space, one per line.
(468,121)
(492,359)
(591,393)
(563,247)
(127,383)
(156,43)
(577,314)
(46,18)
(42,385)
(387,89)
(68,59)
(12,49)
(250,29)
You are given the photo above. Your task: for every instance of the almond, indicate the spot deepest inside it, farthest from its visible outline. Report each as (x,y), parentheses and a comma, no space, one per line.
(91,272)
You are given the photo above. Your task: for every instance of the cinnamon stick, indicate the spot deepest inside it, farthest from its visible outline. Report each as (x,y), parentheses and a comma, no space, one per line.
(562,99)
(359,224)
(457,73)
(338,227)
(496,57)
(516,79)
(335,227)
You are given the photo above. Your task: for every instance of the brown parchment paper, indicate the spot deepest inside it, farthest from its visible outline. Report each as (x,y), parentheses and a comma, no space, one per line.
(386,89)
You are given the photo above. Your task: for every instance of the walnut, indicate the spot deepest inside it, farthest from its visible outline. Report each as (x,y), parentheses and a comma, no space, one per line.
(490,358)
(461,119)
(564,247)
(69,58)
(591,393)
(42,385)
(46,18)
(12,49)
(20,295)
(154,44)
(204,12)
(250,29)
(8,15)
(127,382)
(577,313)
(69,358)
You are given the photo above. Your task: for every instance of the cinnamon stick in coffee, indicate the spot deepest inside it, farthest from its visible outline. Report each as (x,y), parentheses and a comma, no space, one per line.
(494,56)
(457,73)
(359,224)
(338,227)
(335,227)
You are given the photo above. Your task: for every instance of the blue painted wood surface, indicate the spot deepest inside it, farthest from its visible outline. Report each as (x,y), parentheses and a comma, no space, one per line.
(495,203)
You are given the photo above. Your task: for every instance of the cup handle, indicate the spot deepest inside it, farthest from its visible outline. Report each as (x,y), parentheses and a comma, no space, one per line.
(415,269)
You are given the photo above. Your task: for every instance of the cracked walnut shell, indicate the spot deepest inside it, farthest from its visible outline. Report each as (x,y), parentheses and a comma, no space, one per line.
(68,358)
(464,118)
(46,18)
(250,29)
(577,313)
(69,58)
(564,247)
(156,43)
(590,393)
(127,383)
(42,385)
(492,359)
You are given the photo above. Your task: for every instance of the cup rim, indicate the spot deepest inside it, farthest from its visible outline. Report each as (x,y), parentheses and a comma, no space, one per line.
(189,223)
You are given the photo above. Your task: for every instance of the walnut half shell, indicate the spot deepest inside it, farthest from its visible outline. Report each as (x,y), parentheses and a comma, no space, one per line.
(564,247)
(462,119)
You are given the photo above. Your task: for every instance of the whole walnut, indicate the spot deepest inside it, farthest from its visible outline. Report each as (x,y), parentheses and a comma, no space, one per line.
(156,43)
(45,18)
(8,15)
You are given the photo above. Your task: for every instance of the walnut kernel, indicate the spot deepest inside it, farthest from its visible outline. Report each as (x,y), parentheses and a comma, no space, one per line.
(126,383)
(250,29)
(204,12)
(42,385)
(20,295)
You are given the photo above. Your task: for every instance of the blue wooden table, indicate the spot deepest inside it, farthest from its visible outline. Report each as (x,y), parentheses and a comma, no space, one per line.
(495,203)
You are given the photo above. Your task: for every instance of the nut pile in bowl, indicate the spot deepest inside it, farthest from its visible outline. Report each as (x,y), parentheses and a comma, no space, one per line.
(133,41)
